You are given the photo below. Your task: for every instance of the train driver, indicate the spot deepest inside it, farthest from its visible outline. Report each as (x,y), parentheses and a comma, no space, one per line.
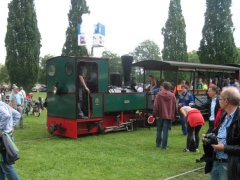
(82,84)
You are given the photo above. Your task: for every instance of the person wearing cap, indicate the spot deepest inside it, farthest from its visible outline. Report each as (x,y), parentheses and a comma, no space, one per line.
(9,117)
(16,101)
(184,99)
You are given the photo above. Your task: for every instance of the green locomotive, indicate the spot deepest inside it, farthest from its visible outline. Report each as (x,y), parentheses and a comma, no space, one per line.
(106,109)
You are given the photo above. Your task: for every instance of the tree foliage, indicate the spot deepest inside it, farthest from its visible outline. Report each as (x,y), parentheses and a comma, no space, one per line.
(193,57)
(42,75)
(114,62)
(4,75)
(217,45)
(174,33)
(71,48)
(22,43)
(238,61)
(147,50)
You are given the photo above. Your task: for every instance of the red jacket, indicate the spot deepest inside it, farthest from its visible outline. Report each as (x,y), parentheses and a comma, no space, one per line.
(195,118)
(165,105)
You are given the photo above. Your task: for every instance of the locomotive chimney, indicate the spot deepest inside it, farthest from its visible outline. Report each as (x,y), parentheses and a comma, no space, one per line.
(127,65)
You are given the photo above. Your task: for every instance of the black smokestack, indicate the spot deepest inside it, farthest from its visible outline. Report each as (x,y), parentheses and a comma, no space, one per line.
(127,65)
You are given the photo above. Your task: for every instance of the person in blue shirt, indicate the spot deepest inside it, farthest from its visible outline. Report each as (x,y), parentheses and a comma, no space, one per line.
(226,164)
(184,99)
(9,117)
(16,101)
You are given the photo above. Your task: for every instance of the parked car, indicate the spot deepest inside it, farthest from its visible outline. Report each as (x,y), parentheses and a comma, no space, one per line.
(43,88)
(39,88)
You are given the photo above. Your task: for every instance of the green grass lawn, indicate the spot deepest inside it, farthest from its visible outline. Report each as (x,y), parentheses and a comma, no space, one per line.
(120,155)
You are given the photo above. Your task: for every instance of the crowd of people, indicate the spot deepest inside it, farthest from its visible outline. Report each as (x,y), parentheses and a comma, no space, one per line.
(223,122)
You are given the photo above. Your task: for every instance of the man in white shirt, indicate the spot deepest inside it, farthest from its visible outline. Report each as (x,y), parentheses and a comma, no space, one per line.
(22,92)
(212,105)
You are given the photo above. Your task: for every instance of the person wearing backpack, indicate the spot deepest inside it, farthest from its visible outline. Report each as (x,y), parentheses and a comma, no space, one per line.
(194,122)
(9,117)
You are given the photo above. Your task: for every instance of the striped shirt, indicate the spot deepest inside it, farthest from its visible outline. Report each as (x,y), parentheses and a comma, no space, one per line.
(8,118)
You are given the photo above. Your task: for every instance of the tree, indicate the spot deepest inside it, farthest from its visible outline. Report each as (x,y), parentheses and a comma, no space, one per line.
(114,62)
(71,48)
(147,50)
(4,74)
(217,45)
(193,57)
(238,61)
(174,33)
(175,48)
(42,78)
(22,43)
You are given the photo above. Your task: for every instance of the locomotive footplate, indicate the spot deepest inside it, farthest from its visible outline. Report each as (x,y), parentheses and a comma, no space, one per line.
(123,126)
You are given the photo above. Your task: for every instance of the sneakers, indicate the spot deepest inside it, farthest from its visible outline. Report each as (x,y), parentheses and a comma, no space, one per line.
(186,150)
(197,150)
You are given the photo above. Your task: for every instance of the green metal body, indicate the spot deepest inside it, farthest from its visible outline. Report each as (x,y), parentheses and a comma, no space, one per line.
(62,74)
(97,103)
(124,102)
(62,104)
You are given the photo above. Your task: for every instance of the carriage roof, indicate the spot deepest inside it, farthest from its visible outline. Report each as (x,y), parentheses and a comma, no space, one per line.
(184,66)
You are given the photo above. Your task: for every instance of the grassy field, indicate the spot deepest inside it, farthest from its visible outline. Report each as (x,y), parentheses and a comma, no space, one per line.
(120,155)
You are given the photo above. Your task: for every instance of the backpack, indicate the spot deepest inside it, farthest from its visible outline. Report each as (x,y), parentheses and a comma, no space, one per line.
(12,152)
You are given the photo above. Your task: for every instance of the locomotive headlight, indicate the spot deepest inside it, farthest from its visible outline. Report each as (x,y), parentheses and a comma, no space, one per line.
(54,90)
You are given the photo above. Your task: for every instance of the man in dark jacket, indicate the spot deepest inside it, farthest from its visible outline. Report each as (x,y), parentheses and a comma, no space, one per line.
(212,105)
(164,111)
(226,163)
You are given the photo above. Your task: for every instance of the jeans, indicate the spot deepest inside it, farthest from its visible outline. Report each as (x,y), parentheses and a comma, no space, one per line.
(20,110)
(163,125)
(7,171)
(219,171)
(190,131)
(184,128)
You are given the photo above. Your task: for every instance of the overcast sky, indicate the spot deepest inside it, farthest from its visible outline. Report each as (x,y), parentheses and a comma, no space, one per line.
(127,23)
